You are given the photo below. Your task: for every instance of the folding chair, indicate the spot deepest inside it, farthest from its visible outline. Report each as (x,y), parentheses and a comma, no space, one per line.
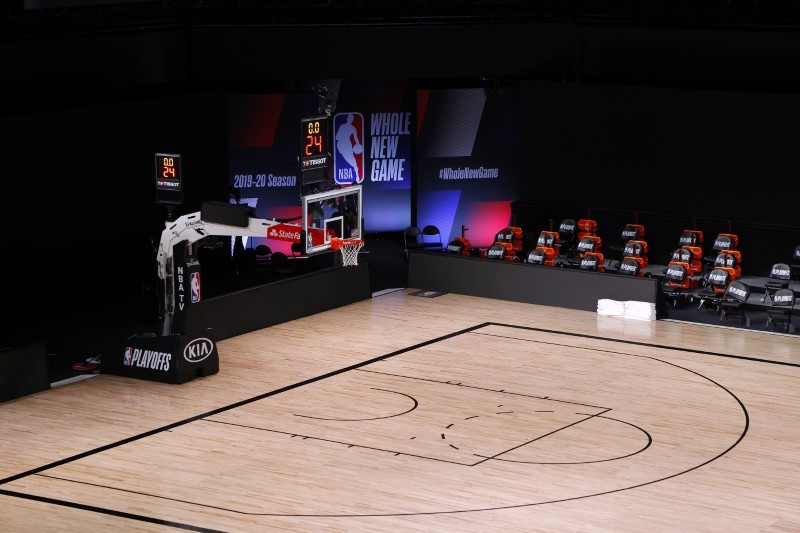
(411,240)
(566,234)
(779,278)
(678,283)
(431,238)
(779,314)
(716,284)
(733,302)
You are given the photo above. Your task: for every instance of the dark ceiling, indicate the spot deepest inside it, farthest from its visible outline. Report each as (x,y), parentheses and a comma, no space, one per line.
(90,48)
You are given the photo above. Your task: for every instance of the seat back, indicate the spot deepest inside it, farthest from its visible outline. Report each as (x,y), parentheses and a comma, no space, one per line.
(629,266)
(783,298)
(718,279)
(592,261)
(505,235)
(432,237)
(496,251)
(455,247)
(691,237)
(726,241)
(567,230)
(737,292)
(635,248)
(411,236)
(677,275)
(781,273)
(549,255)
(632,232)
(588,243)
(548,238)
(537,256)
(459,245)
(586,226)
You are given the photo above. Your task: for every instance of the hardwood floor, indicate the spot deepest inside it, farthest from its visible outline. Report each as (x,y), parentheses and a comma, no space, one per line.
(451,413)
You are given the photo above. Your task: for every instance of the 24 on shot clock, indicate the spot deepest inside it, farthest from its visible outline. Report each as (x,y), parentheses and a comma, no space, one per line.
(169,188)
(315,154)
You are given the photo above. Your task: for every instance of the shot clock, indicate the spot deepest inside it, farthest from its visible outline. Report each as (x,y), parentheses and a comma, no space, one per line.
(169,189)
(315,154)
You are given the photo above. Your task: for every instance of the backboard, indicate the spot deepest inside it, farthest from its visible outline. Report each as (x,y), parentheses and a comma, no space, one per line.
(334,213)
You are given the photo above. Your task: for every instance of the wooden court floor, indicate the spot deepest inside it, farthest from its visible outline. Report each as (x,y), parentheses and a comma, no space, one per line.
(410,413)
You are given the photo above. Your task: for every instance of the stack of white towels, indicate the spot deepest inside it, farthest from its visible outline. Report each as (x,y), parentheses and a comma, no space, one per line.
(627,309)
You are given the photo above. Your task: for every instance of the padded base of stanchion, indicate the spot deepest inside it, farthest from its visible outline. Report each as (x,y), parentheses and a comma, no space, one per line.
(164,358)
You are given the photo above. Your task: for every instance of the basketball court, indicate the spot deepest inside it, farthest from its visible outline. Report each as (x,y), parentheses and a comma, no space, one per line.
(419,413)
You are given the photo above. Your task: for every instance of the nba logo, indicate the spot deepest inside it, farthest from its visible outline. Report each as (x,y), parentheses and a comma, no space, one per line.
(348,157)
(128,354)
(194,286)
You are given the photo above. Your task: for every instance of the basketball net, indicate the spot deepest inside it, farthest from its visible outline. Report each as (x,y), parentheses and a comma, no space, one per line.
(349,249)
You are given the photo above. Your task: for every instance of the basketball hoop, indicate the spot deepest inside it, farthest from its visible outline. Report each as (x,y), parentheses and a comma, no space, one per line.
(349,249)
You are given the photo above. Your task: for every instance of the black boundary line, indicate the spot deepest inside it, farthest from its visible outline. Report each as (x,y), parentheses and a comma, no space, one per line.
(639,343)
(168,427)
(370,361)
(573,498)
(536,504)
(102,510)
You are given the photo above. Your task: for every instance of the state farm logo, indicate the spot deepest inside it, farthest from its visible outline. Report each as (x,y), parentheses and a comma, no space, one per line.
(283,234)
(198,349)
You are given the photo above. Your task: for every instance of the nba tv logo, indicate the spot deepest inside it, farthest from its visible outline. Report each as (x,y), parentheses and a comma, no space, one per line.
(348,154)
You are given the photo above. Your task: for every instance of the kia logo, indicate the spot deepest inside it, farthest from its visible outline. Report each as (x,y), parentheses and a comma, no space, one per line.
(198,349)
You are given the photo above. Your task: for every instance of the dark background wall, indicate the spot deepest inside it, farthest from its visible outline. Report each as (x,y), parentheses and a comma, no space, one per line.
(643,103)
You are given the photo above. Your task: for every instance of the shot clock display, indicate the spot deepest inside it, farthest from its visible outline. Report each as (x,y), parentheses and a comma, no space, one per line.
(168,179)
(315,154)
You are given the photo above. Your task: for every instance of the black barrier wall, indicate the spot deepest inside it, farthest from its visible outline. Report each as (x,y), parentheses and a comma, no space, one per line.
(252,309)
(522,282)
(24,370)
